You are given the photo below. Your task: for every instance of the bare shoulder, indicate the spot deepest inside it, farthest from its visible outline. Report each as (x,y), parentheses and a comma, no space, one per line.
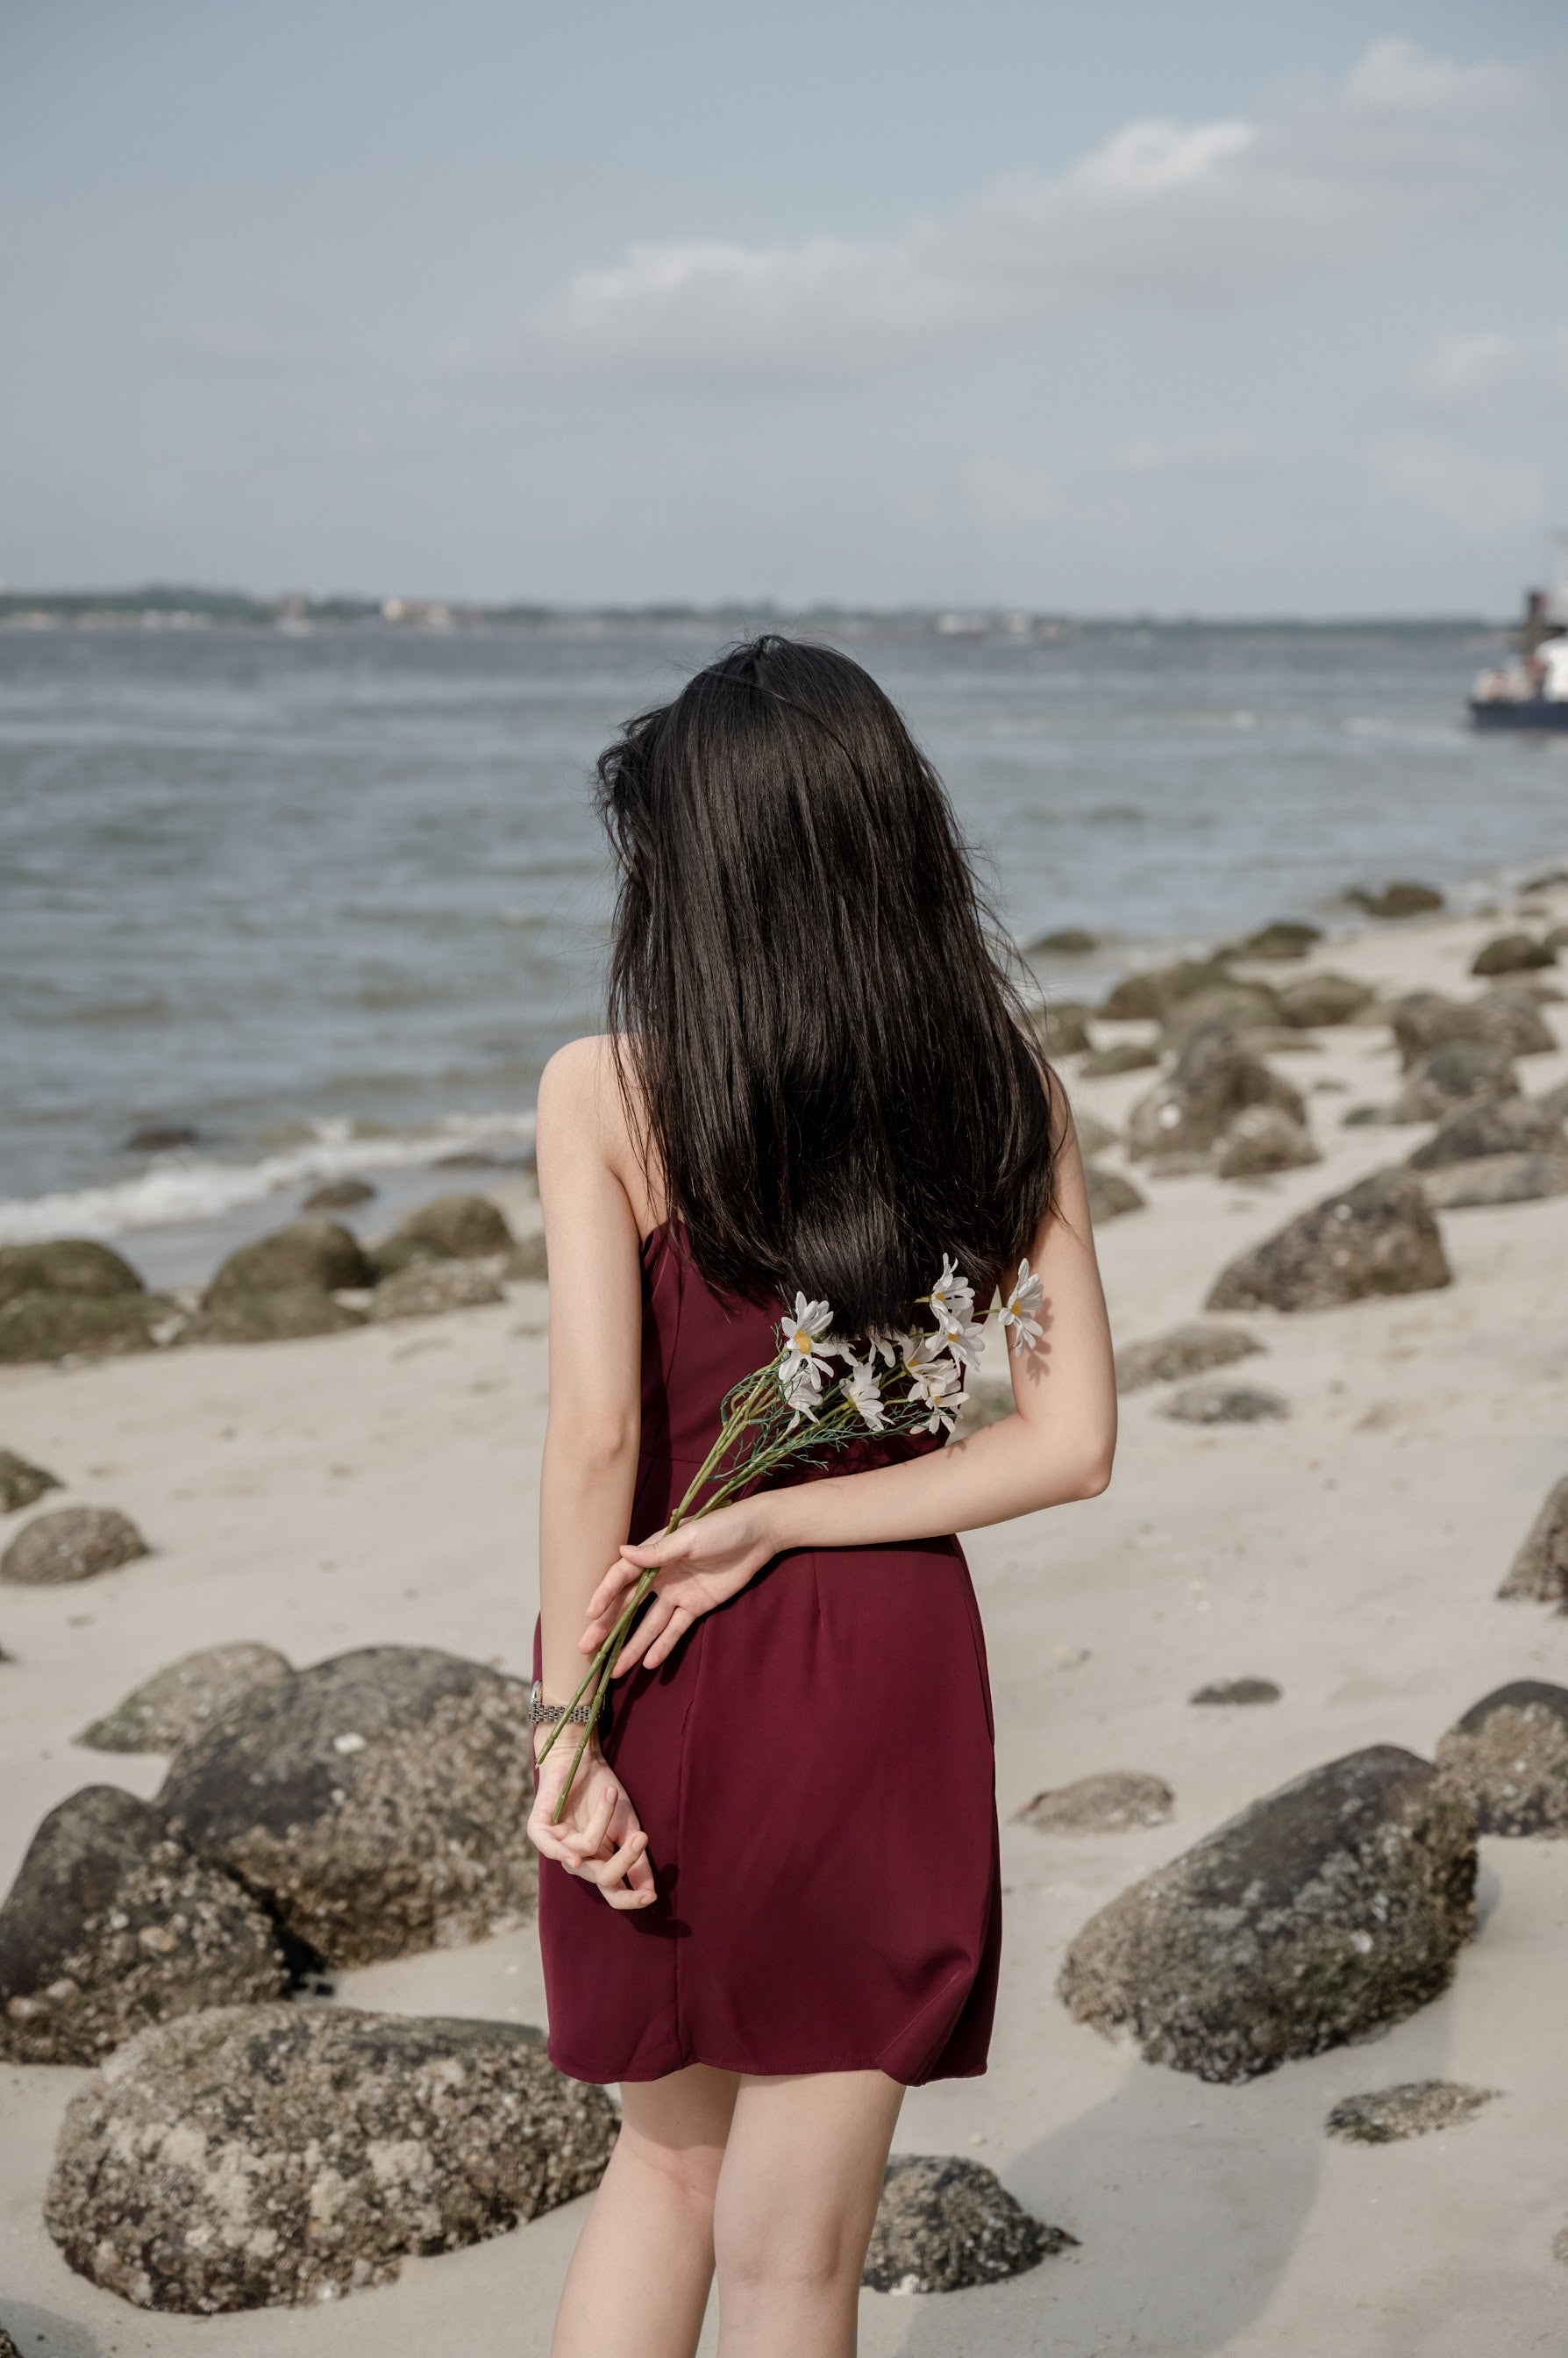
(583,1116)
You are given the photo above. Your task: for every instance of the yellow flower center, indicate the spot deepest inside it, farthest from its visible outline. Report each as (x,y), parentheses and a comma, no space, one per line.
(802,1341)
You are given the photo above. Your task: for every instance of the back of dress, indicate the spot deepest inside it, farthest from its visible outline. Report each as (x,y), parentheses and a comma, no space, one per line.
(813,1767)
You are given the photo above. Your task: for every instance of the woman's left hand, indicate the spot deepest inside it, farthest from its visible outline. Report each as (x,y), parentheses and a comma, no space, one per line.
(702,1565)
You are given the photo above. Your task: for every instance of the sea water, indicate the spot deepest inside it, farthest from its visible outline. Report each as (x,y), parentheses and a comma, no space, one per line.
(329,900)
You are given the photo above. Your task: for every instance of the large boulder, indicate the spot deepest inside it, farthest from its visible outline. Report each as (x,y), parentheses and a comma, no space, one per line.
(68,1265)
(1506,1019)
(1540,1570)
(1240,1006)
(283,1316)
(178,1702)
(320,1256)
(71,1326)
(1213,1080)
(1152,995)
(1378,1237)
(1313,1001)
(1110,1193)
(1513,953)
(261,2157)
(452,1228)
(70,1544)
(1060,1028)
(22,1482)
(111,1924)
(1188,1350)
(1447,1078)
(945,2223)
(1263,1138)
(427,1288)
(1287,937)
(1514,1011)
(1324,1912)
(378,1801)
(1513,1125)
(1497,1179)
(1509,1756)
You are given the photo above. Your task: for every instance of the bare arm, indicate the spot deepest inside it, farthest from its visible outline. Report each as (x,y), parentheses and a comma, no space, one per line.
(1056,1445)
(589,1468)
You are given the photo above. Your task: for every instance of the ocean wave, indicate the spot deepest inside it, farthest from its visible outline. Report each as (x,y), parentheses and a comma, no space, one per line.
(181,1189)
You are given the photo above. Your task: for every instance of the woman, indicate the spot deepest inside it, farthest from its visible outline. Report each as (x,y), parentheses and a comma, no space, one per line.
(770,1900)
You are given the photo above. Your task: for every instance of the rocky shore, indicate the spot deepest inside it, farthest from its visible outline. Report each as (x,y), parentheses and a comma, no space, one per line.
(1282,1737)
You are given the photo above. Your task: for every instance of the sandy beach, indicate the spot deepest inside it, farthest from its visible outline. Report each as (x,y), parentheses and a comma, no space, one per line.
(378,1486)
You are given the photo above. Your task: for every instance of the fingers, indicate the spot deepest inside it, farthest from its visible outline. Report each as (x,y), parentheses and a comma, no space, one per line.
(610,1594)
(588,1839)
(665,1643)
(613,1874)
(648,1628)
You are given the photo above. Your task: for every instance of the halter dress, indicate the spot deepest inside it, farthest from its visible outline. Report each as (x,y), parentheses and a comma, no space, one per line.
(814,1768)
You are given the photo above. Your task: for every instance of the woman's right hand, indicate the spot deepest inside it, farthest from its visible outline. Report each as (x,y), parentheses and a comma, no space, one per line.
(598,1836)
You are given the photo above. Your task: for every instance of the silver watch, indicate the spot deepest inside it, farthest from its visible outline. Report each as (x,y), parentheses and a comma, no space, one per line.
(546,1714)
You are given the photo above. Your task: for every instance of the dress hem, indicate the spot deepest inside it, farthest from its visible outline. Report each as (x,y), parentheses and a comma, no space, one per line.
(609,2077)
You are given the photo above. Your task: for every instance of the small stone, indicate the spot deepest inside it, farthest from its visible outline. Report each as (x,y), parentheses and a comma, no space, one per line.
(1509,1756)
(70,1544)
(338,1195)
(268,2156)
(1060,1027)
(1068,941)
(1287,937)
(1215,1402)
(178,1702)
(1446,1077)
(161,1138)
(1383,2115)
(1122,1057)
(1314,1002)
(1239,1006)
(1263,1138)
(68,1265)
(945,2222)
(1401,900)
(1110,1193)
(1506,1019)
(452,1228)
(1512,1125)
(21,1482)
(1513,1009)
(1236,1690)
(1497,1179)
(1512,954)
(1329,1910)
(1106,1804)
(1378,1237)
(1152,995)
(111,1924)
(308,1256)
(1186,1350)
(1540,1570)
(425,1289)
(287,1314)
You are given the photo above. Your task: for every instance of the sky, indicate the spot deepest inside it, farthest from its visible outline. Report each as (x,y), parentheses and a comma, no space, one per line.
(1233,308)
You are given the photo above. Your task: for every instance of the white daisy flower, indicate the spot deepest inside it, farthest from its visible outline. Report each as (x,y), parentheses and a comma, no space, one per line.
(805,1360)
(939,1386)
(952,1294)
(964,1338)
(1019,1307)
(861,1389)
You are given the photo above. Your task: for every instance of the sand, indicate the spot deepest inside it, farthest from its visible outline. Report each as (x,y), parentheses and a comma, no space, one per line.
(380,1485)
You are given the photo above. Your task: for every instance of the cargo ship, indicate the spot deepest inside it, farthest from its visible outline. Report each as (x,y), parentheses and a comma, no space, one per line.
(1530,691)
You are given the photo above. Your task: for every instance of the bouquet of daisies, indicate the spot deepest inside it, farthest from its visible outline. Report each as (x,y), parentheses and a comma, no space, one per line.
(819,1394)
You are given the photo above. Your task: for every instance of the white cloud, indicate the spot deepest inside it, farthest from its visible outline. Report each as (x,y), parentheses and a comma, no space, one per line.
(1491,375)
(1160,213)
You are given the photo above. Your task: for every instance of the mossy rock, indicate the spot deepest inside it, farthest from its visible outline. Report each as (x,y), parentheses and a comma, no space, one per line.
(451,1228)
(21,1482)
(68,1265)
(68,1325)
(318,1256)
(1150,996)
(286,1315)
(1313,1001)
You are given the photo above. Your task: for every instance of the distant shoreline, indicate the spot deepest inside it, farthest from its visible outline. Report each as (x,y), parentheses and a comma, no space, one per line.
(159,606)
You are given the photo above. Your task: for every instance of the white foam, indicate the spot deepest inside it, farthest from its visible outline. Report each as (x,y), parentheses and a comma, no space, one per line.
(180,1189)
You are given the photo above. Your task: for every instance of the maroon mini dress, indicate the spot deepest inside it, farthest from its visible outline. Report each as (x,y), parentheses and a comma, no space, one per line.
(814,1767)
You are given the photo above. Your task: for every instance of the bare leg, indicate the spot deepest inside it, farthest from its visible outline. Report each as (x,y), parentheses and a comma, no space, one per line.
(797,2200)
(638,2281)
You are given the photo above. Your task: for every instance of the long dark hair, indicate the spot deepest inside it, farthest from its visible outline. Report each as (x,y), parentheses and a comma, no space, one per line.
(806,987)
